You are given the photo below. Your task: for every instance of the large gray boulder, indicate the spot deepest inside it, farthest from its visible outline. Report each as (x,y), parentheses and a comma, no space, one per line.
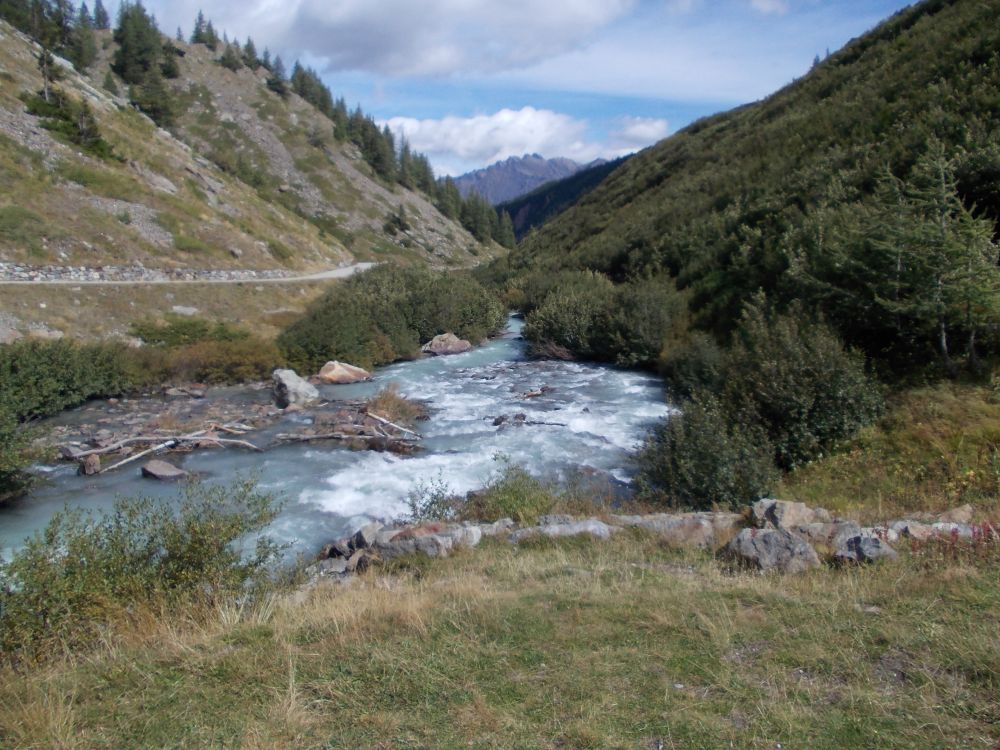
(290,389)
(446,343)
(783,514)
(864,549)
(772,549)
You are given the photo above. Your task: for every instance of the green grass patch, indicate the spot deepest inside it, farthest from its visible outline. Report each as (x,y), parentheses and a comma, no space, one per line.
(569,644)
(21,226)
(187,244)
(103,182)
(937,447)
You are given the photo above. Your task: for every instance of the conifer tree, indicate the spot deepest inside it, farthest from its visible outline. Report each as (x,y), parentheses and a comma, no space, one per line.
(250,55)
(505,233)
(198,31)
(102,21)
(83,51)
(277,82)
(230,59)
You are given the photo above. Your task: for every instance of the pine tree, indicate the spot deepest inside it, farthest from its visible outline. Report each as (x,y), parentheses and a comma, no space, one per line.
(211,38)
(139,46)
(153,97)
(102,21)
(83,51)
(198,31)
(265,59)
(170,68)
(50,71)
(250,55)
(230,59)
(277,82)
(109,83)
(179,36)
(505,234)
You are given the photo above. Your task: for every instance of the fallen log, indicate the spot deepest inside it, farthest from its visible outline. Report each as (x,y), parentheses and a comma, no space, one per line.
(137,456)
(385,421)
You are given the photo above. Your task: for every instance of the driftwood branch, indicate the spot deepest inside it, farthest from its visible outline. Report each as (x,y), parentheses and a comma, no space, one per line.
(137,456)
(285,437)
(385,421)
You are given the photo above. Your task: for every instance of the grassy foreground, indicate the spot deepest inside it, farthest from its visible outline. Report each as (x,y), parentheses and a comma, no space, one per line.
(577,644)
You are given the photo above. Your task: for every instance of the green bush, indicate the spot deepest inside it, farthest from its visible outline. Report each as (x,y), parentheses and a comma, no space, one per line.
(86,572)
(14,457)
(799,382)
(701,458)
(239,361)
(575,315)
(696,362)
(511,493)
(39,378)
(384,315)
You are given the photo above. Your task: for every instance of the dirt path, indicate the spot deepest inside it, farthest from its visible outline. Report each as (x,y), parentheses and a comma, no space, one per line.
(336,273)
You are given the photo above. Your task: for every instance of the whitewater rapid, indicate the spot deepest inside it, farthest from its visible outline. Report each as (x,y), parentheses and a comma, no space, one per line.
(588,420)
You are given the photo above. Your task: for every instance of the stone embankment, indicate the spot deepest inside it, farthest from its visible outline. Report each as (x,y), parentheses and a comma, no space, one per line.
(776,535)
(70,274)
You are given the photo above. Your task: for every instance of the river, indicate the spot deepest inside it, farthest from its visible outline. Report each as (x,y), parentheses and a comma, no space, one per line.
(595,416)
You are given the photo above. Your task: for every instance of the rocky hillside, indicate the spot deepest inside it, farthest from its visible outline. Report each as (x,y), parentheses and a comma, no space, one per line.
(245,179)
(516,176)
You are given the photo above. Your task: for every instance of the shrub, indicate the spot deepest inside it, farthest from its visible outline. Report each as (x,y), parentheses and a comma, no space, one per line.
(383,315)
(14,457)
(702,458)
(39,378)
(84,572)
(575,315)
(696,362)
(645,314)
(795,376)
(237,361)
(511,493)
(390,404)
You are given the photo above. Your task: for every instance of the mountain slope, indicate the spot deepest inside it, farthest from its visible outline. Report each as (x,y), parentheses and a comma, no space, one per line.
(247,179)
(516,176)
(722,204)
(541,204)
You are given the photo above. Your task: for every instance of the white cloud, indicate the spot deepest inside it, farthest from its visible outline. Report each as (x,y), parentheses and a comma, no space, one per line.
(769,7)
(458,144)
(638,132)
(403,37)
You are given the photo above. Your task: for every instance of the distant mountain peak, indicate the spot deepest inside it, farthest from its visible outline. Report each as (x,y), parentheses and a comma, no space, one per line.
(516,175)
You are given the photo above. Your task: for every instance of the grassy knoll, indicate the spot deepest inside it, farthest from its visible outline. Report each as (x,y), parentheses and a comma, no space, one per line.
(621,644)
(937,447)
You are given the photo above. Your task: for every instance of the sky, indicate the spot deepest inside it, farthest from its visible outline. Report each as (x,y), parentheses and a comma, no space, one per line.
(471,82)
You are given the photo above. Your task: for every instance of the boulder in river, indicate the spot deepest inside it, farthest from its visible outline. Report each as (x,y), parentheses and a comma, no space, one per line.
(290,389)
(446,343)
(90,465)
(163,471)
(341,373)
